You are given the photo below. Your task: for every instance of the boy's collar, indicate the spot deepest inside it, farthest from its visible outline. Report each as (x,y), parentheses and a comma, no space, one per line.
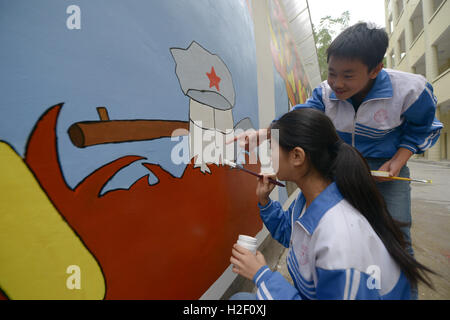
(327,199)
(381,89)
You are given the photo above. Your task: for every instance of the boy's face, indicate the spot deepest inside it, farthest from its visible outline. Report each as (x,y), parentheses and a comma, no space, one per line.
(350,77)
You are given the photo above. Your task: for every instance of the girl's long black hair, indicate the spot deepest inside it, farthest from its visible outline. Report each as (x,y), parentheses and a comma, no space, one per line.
(337,161)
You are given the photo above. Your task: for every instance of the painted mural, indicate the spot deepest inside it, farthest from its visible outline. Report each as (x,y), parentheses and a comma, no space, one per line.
(97,99)
(285,55)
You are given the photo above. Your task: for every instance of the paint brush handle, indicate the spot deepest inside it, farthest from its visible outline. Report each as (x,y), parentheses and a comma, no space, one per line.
(261,176)
(276,182)
(385,174)
(410,179)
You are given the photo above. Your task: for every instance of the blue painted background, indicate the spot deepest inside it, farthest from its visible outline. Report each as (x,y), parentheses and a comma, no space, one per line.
(119,59)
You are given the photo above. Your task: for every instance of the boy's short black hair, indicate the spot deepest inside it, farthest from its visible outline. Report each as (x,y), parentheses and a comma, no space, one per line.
(361,41)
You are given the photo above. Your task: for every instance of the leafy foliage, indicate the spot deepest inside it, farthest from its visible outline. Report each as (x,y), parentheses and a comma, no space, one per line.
(324,34)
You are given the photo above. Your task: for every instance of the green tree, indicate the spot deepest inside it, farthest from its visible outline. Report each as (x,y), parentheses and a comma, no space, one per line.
(324,34)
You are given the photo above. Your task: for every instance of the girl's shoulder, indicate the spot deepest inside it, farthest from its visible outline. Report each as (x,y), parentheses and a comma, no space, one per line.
(346,239)
(342,224)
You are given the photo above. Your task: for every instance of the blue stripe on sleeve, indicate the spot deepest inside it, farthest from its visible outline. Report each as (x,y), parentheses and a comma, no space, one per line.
(276,287)
(332,284)
(262,274)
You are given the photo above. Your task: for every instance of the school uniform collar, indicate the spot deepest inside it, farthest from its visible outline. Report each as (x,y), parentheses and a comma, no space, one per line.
(327,199)
(381,89)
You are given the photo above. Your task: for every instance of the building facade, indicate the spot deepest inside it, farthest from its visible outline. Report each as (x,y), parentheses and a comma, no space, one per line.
(419,42)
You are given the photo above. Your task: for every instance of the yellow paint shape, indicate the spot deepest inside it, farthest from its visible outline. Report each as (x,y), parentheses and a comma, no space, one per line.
(290,77)
(36,245)
(272,34)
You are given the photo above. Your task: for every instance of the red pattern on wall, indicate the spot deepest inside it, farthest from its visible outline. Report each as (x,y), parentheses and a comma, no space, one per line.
(170,240)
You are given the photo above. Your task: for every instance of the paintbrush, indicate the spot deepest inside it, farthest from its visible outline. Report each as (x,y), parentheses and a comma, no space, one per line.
(385,174)
(237,166)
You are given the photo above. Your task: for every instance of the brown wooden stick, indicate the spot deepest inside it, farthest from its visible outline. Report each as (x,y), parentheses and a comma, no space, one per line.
(103,113)
(89,133)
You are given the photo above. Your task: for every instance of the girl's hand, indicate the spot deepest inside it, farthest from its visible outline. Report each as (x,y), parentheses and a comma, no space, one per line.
(264,188)
(245,262)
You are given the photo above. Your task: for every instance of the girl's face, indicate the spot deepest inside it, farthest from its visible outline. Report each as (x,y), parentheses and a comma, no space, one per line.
(281,162)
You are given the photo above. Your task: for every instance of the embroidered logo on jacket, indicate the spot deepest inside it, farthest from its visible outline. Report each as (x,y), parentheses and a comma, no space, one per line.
(380,116)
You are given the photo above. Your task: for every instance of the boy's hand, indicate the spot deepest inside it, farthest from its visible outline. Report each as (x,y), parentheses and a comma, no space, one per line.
(394,165)
(264,188)
(250,137)
(388,166)
(245,262)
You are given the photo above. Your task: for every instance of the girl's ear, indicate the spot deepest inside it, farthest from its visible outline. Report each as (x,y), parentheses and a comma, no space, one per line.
(297,156)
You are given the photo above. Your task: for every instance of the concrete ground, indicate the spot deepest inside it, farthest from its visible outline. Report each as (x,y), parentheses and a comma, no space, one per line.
(430,230)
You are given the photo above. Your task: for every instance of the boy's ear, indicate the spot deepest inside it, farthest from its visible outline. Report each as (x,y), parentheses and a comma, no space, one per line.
(375,71)
(297,156)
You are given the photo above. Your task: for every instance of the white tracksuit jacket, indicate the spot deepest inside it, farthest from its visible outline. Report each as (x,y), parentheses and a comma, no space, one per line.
(399,111)
(333,253)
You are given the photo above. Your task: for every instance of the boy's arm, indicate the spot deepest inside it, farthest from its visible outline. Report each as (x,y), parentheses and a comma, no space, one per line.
(421,131)
(256,137)
(421,128)
(397,162)
(315,101)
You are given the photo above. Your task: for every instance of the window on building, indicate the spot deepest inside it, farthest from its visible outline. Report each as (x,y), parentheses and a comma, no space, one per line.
(443,51)
(419,66)
(402,45)
(436,4)
(399,5)
(416,21)
(392,55)
(391,24)
(389,7)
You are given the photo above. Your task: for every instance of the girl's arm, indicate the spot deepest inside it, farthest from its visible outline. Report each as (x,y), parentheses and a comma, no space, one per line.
(277,221)
(270,285)
(273,286)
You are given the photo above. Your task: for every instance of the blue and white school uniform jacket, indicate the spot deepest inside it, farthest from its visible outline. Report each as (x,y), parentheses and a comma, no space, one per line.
(333,253)
(399,111)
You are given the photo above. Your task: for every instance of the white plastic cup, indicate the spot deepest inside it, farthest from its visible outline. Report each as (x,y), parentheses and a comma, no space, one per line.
(248,243)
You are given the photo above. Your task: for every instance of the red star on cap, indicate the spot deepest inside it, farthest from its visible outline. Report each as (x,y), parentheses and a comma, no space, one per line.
(213,79)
